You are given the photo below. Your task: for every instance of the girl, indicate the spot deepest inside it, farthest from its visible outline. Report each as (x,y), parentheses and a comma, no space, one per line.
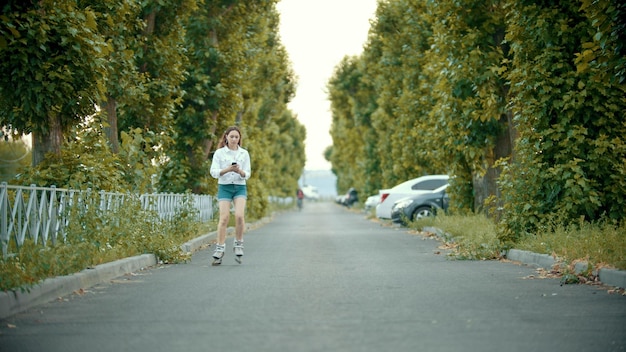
(231,166)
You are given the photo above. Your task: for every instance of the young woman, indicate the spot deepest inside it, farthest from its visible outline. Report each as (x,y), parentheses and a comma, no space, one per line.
(231,167)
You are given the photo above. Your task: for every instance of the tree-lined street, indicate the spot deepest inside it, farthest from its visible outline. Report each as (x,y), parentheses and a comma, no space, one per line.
(327,279)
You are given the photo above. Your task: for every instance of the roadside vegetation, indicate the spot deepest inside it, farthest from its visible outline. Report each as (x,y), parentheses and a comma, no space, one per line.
(95,238)
(132,96)
(475,237)
(520,102)
(98,238)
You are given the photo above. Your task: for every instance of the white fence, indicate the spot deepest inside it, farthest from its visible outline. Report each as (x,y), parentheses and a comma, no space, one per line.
(40,213)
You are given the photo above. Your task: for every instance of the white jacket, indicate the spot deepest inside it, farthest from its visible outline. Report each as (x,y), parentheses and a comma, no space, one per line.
(223,158)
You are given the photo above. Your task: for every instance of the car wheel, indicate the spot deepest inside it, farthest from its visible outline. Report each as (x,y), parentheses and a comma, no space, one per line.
(422,212)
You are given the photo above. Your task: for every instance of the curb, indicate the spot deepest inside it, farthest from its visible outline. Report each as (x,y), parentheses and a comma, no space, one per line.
(610,277)
(530,258)
(13,302)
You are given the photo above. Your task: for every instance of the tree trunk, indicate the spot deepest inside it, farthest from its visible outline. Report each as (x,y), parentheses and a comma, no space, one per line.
(48,141)
(111,131)
(487,185)
(148,31)
(196,161)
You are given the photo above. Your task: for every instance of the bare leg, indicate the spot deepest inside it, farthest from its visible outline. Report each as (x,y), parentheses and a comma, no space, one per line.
(223,222)
(240,223)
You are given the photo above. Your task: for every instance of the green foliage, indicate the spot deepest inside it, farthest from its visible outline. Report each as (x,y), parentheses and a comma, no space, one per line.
(599,243)
(14,156)
(351,106)
(136,157)
(168,76)
(85,162)
(475,237)
(51,66)
(160,57)
(472,237)
(416,102)
(534,91)
(95,237)
(569,159)
(239,75)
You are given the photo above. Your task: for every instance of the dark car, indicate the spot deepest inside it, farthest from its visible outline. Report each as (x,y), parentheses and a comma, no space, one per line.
(350,198)
(420,205)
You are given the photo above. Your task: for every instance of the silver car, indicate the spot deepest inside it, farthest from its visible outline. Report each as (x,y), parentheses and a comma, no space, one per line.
(412,187)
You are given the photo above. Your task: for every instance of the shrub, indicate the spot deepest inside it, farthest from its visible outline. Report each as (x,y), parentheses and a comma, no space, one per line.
(94,237)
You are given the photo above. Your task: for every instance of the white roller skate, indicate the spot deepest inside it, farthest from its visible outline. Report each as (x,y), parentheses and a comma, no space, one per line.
(238,249)
(218,254)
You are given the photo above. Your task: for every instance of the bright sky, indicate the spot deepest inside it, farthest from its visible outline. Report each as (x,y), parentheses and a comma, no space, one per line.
(317,35)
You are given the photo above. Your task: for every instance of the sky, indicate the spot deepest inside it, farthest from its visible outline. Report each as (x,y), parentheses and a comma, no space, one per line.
(318,35)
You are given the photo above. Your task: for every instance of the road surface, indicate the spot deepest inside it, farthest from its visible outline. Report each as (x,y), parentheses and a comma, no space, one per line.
(327,279)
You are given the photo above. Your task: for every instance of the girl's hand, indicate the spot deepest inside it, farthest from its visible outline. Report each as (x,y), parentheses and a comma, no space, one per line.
(236,169)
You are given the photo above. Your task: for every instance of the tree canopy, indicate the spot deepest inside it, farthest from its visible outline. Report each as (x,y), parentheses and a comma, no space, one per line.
(134,94)
(521,101)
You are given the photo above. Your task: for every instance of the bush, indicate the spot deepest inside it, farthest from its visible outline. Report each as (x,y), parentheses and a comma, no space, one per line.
(600,243)
(94,237)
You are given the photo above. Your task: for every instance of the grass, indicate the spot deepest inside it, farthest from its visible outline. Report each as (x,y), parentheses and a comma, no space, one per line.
(475,237)
(95,237)
(600,244)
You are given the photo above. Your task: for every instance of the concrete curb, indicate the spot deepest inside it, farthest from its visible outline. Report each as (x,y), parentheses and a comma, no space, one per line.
(50,289)
(530,258)
(610,277)
(14,302)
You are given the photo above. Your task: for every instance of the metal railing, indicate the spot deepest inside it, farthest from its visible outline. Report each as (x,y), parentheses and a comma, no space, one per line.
(42,213)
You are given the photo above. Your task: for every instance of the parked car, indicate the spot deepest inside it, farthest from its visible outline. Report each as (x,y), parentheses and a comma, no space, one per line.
(348,199)
(310,192)
(372,201)
(412,187)
(420,205)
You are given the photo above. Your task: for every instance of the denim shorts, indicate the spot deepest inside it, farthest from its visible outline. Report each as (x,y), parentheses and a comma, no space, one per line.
(230,192)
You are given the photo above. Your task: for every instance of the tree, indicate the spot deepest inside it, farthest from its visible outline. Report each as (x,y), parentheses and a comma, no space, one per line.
(14,156)
(352,103)
(470,126)
(567,85)
(51,65)
(239,74)
(214,36)
(121,24)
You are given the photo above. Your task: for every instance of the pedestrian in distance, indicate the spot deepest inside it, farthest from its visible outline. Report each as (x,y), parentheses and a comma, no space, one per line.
(300,196)
(231,168)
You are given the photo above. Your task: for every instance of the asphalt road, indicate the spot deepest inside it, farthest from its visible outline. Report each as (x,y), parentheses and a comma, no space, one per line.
(327,279)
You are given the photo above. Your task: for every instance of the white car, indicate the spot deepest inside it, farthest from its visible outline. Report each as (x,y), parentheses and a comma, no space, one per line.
(372,201)
(310,192)
(409,188)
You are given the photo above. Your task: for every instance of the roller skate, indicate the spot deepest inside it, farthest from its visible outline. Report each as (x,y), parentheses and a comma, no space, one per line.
(218,254)
(238,249)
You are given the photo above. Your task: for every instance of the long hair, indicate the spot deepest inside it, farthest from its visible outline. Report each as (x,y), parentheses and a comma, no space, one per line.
(225,135)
